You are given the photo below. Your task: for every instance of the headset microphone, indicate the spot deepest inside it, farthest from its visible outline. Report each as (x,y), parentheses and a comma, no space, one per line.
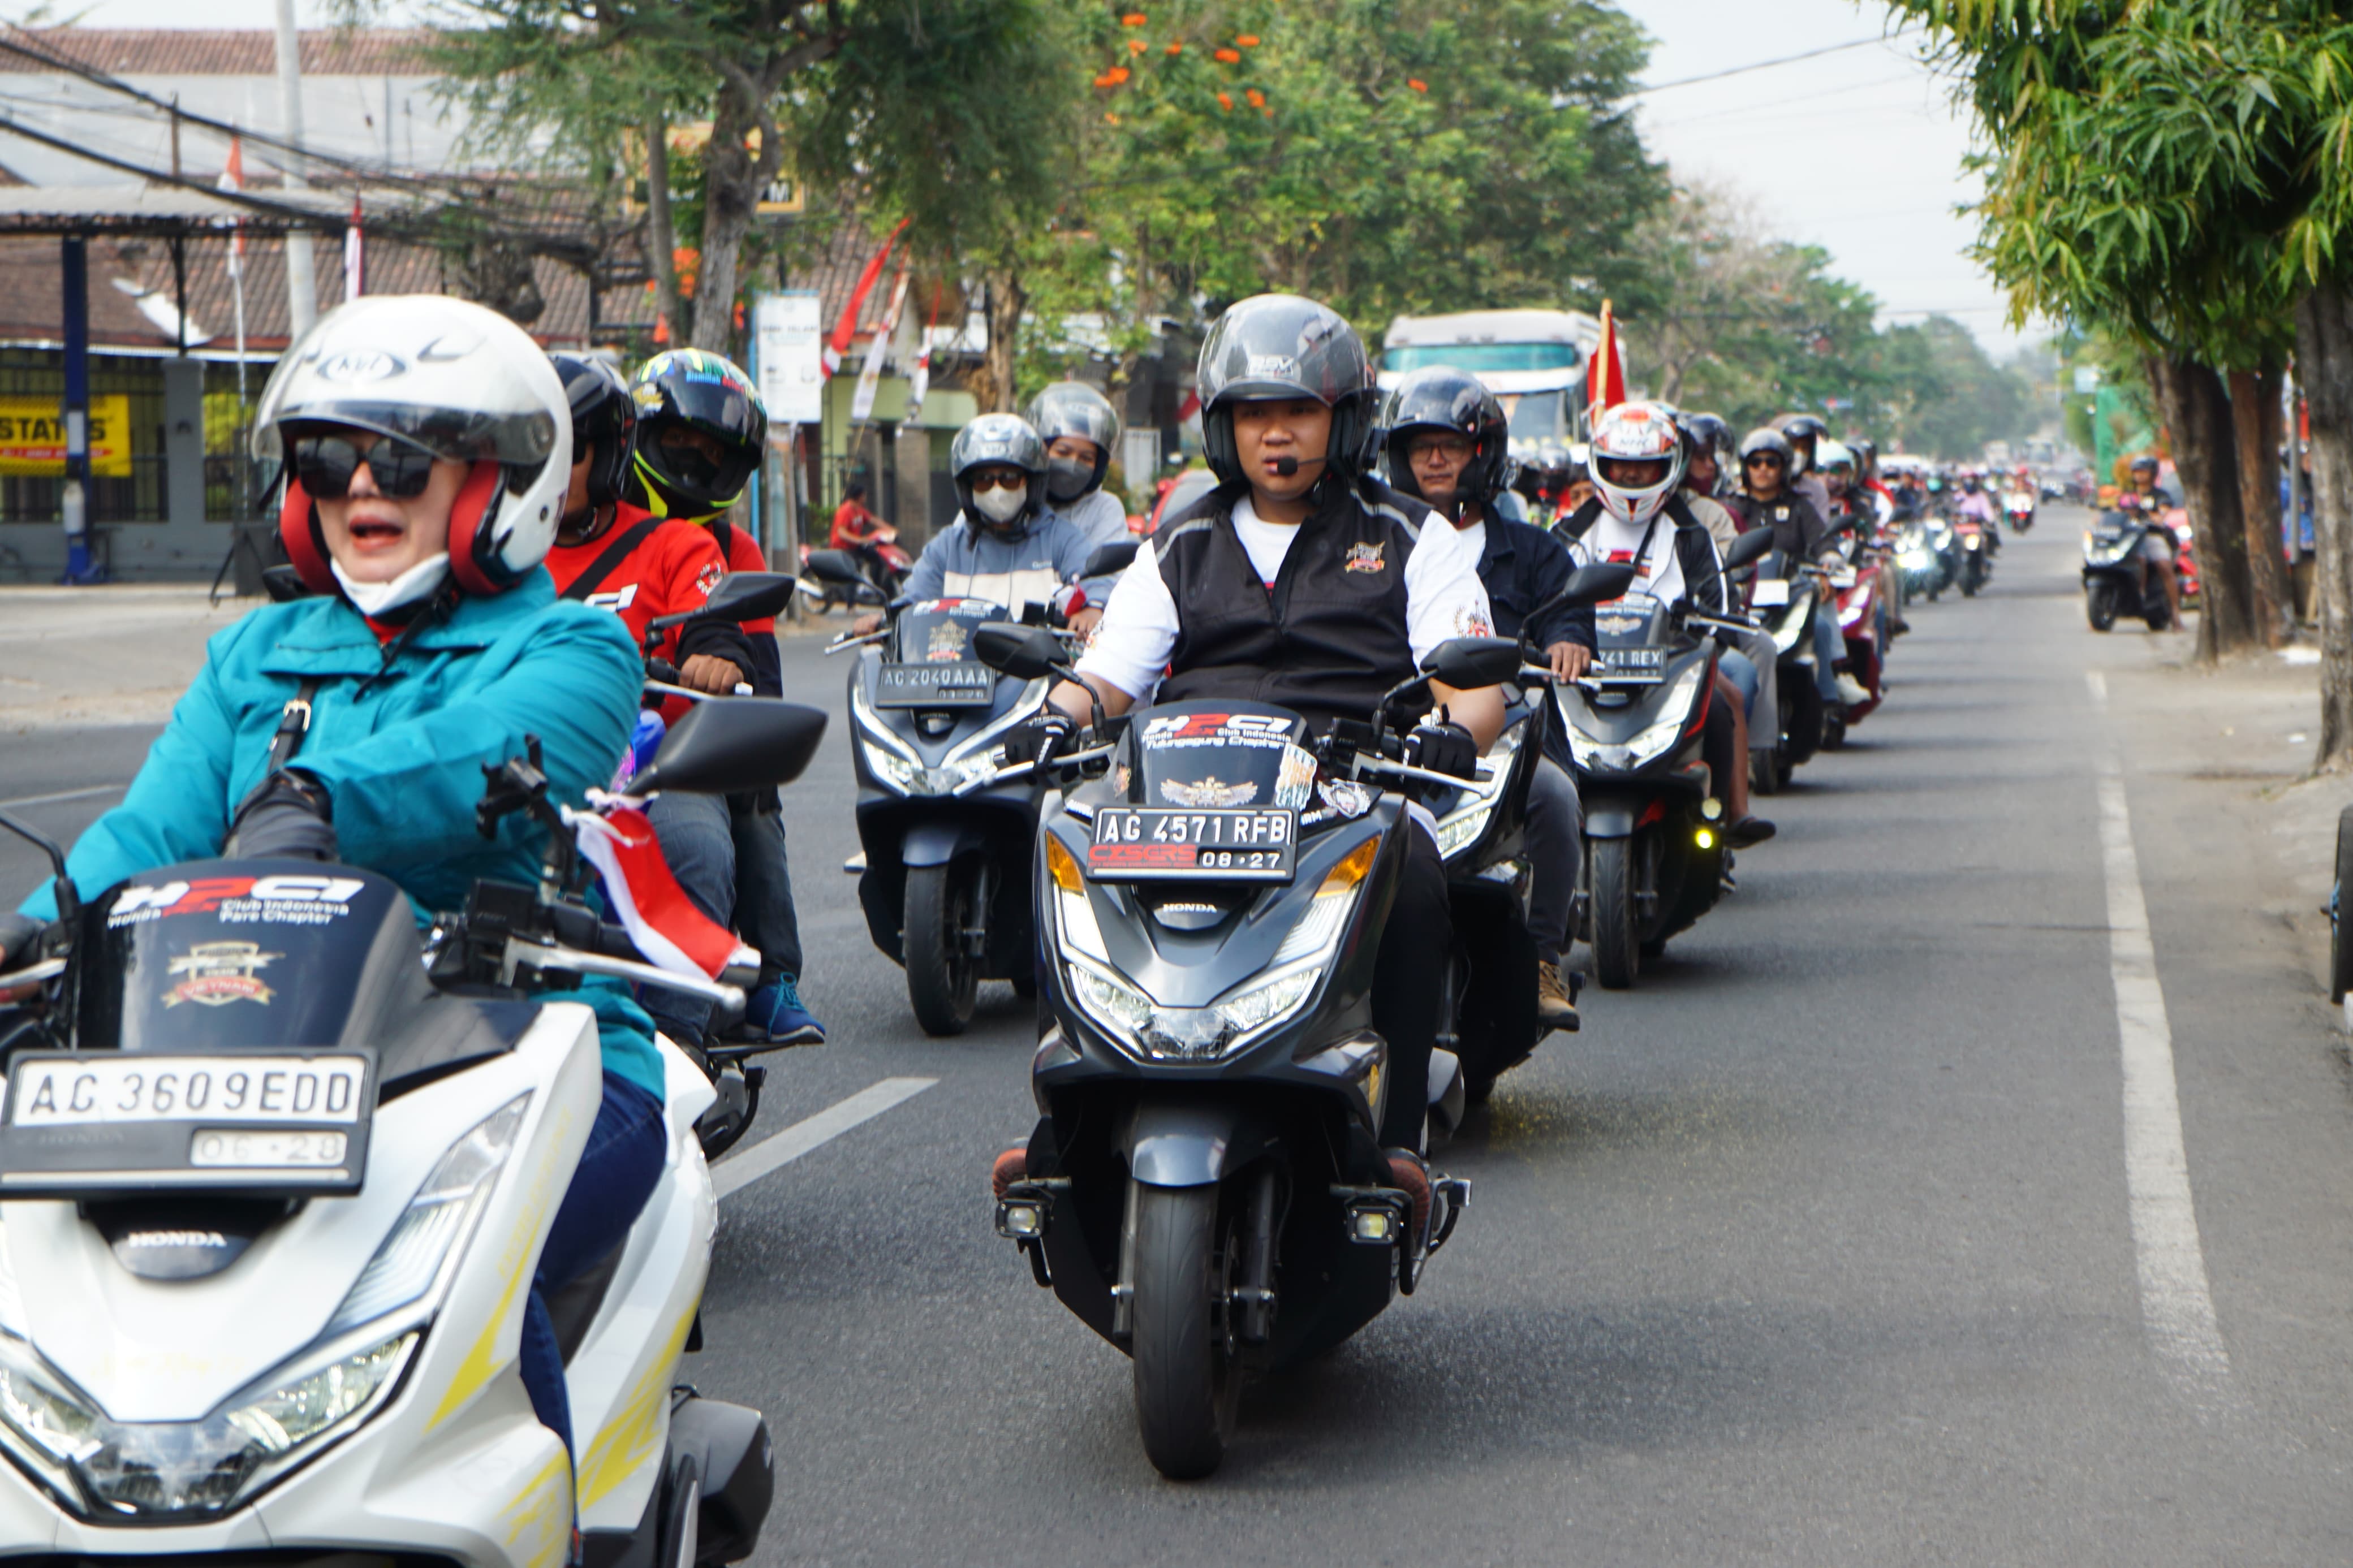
(1285,467)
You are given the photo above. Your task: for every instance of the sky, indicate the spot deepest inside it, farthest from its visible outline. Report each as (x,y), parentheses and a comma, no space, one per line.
(1858,152)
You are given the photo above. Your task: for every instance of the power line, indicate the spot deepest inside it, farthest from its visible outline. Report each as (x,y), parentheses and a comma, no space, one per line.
(1767,65)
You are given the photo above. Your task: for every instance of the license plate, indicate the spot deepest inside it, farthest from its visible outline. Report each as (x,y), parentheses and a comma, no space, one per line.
(246,1149)
(89,1090)
(942,685)
(1217,845)
(1769,591)
(1629,661)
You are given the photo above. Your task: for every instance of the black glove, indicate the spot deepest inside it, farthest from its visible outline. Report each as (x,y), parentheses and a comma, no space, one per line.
(1041,738)
(1445,748)
(287,817)
(20,941)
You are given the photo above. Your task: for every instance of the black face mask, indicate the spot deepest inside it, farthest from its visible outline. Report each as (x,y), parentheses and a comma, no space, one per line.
(1067,480)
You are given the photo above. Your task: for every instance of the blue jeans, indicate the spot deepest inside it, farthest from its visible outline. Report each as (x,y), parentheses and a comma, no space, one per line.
(615,1175)
(1736,666)
(1830,645)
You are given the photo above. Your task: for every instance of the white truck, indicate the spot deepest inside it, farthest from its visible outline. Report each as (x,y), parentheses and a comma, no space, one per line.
(1532,361)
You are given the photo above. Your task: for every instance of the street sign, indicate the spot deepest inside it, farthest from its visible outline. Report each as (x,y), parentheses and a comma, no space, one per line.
(791,358)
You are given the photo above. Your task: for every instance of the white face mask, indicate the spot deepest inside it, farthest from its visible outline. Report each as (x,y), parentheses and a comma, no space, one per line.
(416,583)
(1002,504)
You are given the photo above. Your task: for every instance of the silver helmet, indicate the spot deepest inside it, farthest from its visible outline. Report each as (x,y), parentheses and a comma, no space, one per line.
(1075,408)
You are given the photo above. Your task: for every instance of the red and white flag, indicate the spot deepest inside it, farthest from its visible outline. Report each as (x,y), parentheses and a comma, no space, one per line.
(233,179)
(919,381)
(664,923)
(1605,373)
(846,328)
(878,348)
(355,256)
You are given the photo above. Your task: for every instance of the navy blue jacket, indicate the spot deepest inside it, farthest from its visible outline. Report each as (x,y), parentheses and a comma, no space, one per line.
(1522,567)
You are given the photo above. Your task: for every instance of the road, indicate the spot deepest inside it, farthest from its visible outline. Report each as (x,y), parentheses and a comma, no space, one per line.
(1840,1241)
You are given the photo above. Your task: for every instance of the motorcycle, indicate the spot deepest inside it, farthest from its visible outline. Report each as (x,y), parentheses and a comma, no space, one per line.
(277,1173)
(1855,588)
(2114,572)
(2019,508)
(946,812)
(1786,608)
(824,592)
(1655,852)
(1205,1187)
(1976,563)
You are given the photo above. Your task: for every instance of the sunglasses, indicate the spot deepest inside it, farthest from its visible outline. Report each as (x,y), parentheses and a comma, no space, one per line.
(997,479)
(1764,459)
(325,465)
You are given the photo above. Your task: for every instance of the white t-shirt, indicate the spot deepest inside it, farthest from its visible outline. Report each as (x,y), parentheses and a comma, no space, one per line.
(1659,573)
(1472,538)
(1443,599)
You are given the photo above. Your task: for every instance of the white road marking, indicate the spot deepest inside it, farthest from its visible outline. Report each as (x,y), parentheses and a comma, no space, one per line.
(2177,1306)
(91,793)
(771,1154)
(2098,681)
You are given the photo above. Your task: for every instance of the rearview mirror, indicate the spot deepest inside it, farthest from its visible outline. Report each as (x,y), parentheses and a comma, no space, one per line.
(1468,663)
(1749,549)
(736,744)
(1593,584)
(1110,559)
(747,596)
(836,568)
(1026,653)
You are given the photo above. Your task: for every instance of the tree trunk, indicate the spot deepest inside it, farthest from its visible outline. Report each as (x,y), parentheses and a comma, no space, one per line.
(661,234)
(732,182)
(2256,428)
(2196,411)
(994,387)
(2324,368)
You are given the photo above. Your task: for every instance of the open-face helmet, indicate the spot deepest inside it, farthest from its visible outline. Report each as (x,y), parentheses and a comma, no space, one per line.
(454,379)
(1803,431)
(604,417)
(708,394)
(1706,433)
(1768,440)
(1075,408)
(1439,397)
(1638,461)
(1280,345)
(999,441)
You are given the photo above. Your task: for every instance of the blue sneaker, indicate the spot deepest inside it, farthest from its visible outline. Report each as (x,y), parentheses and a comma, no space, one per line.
(774,1014)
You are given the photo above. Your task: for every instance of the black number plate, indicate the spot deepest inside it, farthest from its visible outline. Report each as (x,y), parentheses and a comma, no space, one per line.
(1214,846)
(963,684)
(1612,661)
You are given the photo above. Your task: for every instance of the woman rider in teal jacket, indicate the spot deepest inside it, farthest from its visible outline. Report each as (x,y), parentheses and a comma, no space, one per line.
(427,446)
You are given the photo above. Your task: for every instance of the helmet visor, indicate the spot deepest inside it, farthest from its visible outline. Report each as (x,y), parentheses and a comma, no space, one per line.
(1634,473)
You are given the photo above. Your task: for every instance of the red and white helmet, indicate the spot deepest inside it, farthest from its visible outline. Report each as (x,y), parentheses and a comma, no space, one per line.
(1630,433)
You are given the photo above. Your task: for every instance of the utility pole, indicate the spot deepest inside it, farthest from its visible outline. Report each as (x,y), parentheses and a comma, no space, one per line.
(302,284)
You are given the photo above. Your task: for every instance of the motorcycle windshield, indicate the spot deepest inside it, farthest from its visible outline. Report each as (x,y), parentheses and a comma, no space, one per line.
(1199,755)
(239,954)
(939,631)
(1638,620)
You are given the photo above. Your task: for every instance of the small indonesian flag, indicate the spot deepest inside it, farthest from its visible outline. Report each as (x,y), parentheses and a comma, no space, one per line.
(664,923)
(1605,373)
(233,179)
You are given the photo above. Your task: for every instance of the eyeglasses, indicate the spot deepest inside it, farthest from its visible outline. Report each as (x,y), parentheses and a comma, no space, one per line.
(1454,448)
(325,465)
(1765,459)
(998,479)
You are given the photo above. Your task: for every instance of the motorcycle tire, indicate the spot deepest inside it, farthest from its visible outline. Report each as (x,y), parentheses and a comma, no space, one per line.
(2159,617)
(1833,731)
(1187,1382)
(1969,583)
(942,979)
(2100,605)
(1616,943)
(1765,773)
(2340,941)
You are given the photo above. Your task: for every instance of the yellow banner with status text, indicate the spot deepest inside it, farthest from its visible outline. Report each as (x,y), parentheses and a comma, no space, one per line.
(32,437)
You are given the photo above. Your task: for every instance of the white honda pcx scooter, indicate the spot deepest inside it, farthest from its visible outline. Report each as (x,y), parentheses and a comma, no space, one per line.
(272,1197)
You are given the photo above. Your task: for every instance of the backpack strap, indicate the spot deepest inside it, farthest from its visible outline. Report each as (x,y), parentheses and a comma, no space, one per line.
(591,580)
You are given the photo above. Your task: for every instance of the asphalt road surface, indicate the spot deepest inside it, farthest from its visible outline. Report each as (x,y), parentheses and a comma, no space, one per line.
(1928,1203)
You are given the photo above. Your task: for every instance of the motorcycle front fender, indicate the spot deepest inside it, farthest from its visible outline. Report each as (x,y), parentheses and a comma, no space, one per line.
(938,843)
(1609,822)
(1191,1143)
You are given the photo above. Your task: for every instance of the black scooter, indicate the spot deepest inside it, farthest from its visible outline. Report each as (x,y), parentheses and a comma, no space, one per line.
(2116,581)
(1205,1187)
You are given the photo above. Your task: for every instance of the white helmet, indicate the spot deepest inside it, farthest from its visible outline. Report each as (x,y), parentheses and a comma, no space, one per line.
(1637,433)
(456,378)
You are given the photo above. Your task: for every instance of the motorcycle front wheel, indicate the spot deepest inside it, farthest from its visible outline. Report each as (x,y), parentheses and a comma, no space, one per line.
(1616,943)
(1188,1387)
(942,979)
(2100,605)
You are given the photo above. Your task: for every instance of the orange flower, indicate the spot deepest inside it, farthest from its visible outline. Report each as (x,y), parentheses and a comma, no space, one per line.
(1257,98)
(1133,19)
(1416,83)
(1113,77)
(1135,46)
(1248,40)
(1225,101)
(1230,57)
(1175,48)
(1109,119)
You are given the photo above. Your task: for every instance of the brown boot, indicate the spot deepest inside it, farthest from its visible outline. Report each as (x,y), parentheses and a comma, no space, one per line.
(1554,1010)
(1410,1175)
(1010,1167)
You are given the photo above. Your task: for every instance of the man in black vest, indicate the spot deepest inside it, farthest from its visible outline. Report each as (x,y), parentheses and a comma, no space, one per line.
(1300,582)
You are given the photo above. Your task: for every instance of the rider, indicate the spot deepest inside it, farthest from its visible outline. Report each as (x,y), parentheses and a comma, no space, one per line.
(1856,506)
(1007,545)
(419,504)
(2156,550)
(1300,581)
(1638,460)
(1766,501)
(1805,434)
(1081,430)
(701,435)
(1975,503)
(1756,669)
(1448,445)
(859,531)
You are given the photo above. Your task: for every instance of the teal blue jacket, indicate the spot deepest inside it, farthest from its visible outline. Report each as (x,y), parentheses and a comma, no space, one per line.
(399,747)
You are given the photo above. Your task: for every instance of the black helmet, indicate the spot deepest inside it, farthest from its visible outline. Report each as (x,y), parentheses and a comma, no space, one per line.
(2143,461)
(1075,408)
(604,416)
(998,441)
(1706,433)
(1801,427)
(1280,345)
(706,391)
(1440,397)
(1765,440)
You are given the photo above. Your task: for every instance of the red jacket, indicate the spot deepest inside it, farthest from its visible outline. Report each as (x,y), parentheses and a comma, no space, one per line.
(673,568)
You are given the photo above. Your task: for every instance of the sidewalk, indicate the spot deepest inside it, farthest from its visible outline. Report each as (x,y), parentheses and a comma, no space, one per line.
(112,655)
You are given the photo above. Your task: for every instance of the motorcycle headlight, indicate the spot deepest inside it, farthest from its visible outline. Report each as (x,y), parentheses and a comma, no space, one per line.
(407,1267)
(158,1471)
(1647,742)
(893,769)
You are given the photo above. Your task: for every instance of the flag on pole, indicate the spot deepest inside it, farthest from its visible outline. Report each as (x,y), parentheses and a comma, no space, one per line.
(666,927)
(846,328)
(920,381)
(1605,373)
(354,255)
(870,375)
(233,179)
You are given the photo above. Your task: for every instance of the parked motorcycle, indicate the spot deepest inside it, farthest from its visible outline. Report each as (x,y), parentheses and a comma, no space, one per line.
(887,581)
(1654,853)
(277,1173)
(1205,1187)
(2117,581)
